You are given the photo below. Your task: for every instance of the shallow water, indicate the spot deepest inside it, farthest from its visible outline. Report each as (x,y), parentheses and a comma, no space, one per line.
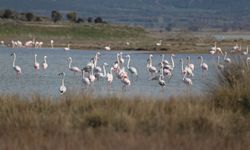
(47,82)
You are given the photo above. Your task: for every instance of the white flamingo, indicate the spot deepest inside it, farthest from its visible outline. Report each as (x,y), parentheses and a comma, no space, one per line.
(186,70)
(73,69)
(187,80)
(158,43)
(109,75)
(85,79)
(92,78)
(226,59)
(108,48)
(152,69)
(204,66)
(121,60)
(245,52)
(36,64)
(125,81)
(219,66)
(190,65)
(16,68)
(131,69)
(161,82)
(214,49)
(45,64)
(67,48)
(52,43)
(62,88)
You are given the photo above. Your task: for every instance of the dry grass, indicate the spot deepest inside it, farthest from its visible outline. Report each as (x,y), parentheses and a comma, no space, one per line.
(82,122)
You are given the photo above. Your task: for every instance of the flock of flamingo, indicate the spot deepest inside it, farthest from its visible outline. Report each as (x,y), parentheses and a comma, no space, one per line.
(121,68)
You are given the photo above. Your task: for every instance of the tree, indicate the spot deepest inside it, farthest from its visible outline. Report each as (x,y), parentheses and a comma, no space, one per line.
(90,19)
(79,20)
(98,20)
(56,16)
(7,13)
(71,16)
(29,16)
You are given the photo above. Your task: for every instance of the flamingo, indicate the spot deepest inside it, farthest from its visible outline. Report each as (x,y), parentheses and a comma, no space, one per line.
(109,75)
(52,43)
(245,52)
(67,48)
(220,66)
(85,79)
(62,88)
(203,65)
(92,78)
(16,68)
(126,82)
(215,49)
(131,69)
(36,64)
(186,70)
(172,65)
(226,59)
(121,60)
(158,43)
(45,64)
(73,69)
(190,65)
(97,69)
(152,69)
(108,48)
(187,81)
(2,43)
(161,82)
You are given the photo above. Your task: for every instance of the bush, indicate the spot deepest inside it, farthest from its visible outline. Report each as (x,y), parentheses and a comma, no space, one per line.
(56,16)
(7,13)
(98,20)
(79,20)
(71,16)
(90,19)
(29,16)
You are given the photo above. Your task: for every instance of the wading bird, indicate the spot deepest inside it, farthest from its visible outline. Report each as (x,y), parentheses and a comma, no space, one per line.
(16,68)
(62,88)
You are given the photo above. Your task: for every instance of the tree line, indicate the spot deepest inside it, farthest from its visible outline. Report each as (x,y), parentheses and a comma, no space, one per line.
(55,16)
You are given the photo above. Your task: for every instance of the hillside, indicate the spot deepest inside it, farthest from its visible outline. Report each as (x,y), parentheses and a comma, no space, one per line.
(151,13)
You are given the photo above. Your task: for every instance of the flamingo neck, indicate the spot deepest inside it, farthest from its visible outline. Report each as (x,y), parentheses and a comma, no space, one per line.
(63,81)
(128,62)
(201,61)
(14,60)
(70,61)
(104,70)
(182,65)
(172,61)
(45,61)
(225,56)
(35,59)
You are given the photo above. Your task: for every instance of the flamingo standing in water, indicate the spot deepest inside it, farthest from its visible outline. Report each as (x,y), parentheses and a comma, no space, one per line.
(219,66)
(187,70)
(16,68)
(161,82)
(203,65)
(187,80)
(45,64)
(109,75)
(226,59)
(131,69)
(36,65)
(152,69)
(190,65)
(73,69)
(245,52)
(62,88)
(85,79)
(126,82)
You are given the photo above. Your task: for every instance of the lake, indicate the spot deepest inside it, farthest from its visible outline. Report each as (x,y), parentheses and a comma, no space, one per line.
(47,82)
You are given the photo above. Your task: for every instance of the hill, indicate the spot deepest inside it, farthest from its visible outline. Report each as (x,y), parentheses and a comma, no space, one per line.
(150,13)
